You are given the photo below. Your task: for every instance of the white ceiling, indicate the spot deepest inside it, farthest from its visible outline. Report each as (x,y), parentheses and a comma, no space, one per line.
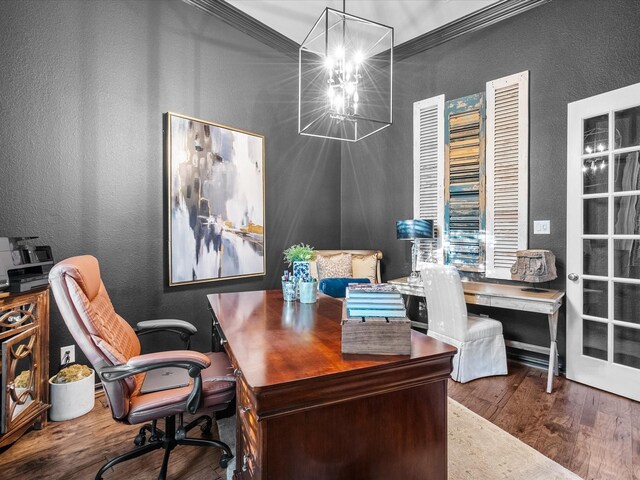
(409,18)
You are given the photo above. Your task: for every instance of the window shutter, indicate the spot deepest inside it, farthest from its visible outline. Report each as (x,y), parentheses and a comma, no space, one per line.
(464,182)
(428,162)
(507,172)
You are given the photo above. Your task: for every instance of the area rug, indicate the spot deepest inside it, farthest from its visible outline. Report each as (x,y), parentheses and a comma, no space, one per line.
(478,450)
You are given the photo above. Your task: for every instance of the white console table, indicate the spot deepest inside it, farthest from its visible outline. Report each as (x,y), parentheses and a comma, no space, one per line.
(511,297)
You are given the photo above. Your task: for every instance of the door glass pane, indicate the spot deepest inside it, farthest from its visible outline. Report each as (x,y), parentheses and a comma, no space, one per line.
(626,346)
(594,339)
(626,302)
(627,172)
(626,258)
(595,257)
(627,215)
(596,134)
(595,175)
(627,127)
(595,216)
(595,298)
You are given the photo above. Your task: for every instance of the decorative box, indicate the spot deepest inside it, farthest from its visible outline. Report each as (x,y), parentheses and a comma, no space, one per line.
(375,335)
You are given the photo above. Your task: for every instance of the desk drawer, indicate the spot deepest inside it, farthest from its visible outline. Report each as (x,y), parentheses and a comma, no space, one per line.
(524,305)
(249,456)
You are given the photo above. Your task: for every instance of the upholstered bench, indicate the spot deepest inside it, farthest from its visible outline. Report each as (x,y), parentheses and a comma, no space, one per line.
(335,269)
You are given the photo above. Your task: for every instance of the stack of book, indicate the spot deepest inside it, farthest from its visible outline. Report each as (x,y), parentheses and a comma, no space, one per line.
(374,300)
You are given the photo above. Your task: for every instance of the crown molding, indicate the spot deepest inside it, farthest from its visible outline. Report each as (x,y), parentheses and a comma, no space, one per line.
(489,15)
(248,25)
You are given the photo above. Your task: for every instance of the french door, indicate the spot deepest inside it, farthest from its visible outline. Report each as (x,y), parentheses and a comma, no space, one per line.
(603,241)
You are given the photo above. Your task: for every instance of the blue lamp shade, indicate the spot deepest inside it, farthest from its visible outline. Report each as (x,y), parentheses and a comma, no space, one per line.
(416,228)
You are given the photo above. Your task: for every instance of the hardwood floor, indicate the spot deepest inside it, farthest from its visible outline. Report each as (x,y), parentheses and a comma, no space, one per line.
(593,433)
(76,449)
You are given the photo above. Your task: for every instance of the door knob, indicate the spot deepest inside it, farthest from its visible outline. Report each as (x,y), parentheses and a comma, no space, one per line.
(573,277)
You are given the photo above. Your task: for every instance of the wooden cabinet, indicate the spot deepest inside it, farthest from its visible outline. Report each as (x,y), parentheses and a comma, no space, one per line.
(24,337)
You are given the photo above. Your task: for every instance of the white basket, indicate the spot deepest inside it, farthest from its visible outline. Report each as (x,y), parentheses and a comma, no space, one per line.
(71,400)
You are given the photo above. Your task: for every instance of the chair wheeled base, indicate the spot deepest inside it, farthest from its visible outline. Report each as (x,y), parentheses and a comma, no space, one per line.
(169,439)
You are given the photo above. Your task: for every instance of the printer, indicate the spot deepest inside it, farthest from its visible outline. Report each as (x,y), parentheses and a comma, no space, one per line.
(23,267)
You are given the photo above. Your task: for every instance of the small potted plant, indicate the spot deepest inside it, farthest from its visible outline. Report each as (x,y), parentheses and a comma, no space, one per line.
(72,392)
(299,256)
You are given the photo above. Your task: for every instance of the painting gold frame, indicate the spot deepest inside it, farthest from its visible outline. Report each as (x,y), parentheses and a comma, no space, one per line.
(215,178)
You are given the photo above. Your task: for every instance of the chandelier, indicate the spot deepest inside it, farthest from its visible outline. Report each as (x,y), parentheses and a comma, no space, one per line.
(345,77)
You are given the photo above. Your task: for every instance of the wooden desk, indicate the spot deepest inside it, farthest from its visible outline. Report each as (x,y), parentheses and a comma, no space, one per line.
(306,411)
(511,297)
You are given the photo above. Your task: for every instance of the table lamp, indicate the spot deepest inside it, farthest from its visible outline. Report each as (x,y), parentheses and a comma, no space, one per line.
(534,266)
(416,230)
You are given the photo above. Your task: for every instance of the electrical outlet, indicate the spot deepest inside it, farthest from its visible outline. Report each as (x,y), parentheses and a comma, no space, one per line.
(542,227)
(68,350)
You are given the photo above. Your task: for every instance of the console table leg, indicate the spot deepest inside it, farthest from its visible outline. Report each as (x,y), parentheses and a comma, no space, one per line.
(553,350)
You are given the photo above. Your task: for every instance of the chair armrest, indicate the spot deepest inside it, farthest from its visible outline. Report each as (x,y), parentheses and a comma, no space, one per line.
(166,324)
(189,357)
(194,362)
(180,327)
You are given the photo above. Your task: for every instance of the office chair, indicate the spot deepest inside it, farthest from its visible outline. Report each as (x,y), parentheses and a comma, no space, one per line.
(112,347)
(479,340)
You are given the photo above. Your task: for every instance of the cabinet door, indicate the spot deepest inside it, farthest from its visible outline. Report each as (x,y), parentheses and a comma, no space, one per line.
(20,373)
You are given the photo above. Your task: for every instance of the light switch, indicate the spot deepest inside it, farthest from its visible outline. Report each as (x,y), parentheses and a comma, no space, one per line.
(542,227)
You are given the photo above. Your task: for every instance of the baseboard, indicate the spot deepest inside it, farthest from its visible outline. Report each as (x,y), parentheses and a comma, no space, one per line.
(532,361)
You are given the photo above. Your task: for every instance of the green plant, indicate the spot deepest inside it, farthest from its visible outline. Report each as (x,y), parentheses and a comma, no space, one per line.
(299,253)
(72,373)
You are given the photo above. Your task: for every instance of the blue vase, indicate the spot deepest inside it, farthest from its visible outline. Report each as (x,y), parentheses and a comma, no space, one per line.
(301,270)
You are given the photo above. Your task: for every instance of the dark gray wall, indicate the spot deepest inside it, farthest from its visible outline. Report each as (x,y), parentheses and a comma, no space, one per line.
(83,86)
(572,49)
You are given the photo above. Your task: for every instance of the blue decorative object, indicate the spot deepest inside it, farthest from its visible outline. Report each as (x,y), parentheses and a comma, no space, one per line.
(417,228)
(301,270)
(337,287)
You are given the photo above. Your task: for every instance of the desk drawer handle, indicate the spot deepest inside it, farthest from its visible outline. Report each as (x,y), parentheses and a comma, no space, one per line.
(245,409)
(223,341)
(237,372)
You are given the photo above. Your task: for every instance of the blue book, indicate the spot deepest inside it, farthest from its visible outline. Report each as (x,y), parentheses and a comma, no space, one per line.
(377,305)
(367,312)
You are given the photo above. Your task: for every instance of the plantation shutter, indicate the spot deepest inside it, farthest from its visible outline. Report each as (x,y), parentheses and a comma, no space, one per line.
(507,172)
(428,162)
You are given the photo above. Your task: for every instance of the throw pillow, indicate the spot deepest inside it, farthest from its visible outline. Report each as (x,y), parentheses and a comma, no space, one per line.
(336,287)
(365,266)
(334,266)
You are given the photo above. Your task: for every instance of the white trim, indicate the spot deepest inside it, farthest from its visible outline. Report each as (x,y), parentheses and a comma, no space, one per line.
(522,81)
(438,103)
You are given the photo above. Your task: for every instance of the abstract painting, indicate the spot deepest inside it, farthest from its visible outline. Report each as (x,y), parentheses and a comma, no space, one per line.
(216,201)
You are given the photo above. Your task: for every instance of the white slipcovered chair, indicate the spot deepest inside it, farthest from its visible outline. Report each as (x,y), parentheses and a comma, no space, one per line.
(479,340)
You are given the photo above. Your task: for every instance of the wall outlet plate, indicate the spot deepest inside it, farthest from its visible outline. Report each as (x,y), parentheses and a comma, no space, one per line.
(542,227)
(71,349)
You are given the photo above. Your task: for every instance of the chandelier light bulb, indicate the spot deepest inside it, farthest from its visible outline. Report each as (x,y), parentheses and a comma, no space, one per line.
(600,147)
(588,149)
(329,62)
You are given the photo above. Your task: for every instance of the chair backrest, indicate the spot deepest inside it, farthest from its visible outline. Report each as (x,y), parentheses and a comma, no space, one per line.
(103,336)
(445,300)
